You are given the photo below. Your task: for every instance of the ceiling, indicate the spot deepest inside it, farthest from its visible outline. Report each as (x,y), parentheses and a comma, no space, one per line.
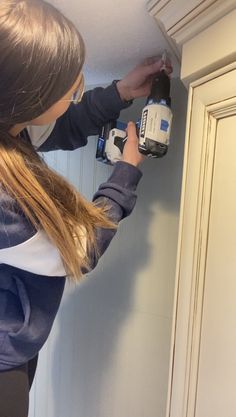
(118,35)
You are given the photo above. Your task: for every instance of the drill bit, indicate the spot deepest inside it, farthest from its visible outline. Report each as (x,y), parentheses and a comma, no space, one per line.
(164,58)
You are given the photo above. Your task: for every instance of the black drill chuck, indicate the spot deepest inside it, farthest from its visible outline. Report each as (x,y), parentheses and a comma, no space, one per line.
(161,88)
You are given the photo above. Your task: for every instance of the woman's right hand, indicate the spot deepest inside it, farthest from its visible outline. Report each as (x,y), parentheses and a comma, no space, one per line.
(131,152)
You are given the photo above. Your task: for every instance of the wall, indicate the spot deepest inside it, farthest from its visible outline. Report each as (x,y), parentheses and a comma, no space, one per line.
(108,353)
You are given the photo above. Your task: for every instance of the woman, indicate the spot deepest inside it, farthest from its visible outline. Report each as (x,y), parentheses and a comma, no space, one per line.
(48,232)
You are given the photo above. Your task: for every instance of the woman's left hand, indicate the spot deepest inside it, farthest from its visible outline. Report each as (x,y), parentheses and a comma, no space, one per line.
(131,153)
(137,83)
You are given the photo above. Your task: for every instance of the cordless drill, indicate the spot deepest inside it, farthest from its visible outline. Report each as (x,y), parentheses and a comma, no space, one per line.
(153,129)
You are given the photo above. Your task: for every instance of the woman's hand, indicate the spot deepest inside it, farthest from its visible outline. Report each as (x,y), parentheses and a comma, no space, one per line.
(138,82)
(131,153)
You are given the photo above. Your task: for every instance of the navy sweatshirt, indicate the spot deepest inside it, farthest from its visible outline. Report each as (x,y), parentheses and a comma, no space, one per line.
(32,275)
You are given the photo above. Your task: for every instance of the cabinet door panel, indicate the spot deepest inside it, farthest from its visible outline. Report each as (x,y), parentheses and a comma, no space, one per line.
(203,360)
(217,364)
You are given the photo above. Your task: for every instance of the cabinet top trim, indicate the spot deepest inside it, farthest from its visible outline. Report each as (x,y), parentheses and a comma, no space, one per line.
(184,19)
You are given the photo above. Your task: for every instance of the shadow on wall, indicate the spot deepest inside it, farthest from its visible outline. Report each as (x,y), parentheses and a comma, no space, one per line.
(93,314)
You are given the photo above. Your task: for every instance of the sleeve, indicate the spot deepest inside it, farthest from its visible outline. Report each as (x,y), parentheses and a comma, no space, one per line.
(98,106)
(119,194)
(28,249)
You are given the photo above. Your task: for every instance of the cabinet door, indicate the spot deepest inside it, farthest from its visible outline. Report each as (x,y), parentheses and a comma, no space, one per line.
(203,363)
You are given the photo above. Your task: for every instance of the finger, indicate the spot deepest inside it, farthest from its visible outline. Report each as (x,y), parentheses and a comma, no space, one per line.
(131,132)
(169,70)
(168,66)
(151,60)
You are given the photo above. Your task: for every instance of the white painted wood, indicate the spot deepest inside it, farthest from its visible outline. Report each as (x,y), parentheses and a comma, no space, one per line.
(184,19)
(210,50)
(203,242)
(192,24)
(200,18)
(172,12)
(217,364)
(108,352)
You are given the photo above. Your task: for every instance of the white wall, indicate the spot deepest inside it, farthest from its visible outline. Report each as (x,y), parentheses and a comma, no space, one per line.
(108,353)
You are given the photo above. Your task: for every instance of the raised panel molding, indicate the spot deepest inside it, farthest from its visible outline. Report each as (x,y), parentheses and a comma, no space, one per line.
(210,99)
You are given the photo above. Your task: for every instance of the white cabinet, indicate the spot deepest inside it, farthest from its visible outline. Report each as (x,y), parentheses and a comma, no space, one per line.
(203,365)
(202,375)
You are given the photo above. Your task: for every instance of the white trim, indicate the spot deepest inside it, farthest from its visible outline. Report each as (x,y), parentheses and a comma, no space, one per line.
(211,98)
(210,49)
(183,19)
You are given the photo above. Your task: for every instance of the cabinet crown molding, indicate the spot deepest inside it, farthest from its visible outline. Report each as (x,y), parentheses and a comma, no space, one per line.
(181,20)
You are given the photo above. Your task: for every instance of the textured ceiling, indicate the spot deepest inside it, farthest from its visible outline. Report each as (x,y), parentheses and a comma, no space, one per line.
(118,35)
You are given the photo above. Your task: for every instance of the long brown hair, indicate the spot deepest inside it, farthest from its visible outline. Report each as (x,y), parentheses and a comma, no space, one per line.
(41,57)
